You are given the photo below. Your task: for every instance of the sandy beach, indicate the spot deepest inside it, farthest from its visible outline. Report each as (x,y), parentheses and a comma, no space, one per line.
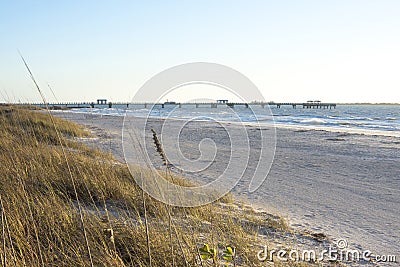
(344,185)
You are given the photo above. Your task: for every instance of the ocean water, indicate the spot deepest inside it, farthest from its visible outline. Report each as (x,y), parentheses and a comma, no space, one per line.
(384,119)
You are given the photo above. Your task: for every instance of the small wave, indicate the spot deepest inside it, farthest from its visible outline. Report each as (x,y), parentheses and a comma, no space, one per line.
(313,121)
(354,118)
(391,118)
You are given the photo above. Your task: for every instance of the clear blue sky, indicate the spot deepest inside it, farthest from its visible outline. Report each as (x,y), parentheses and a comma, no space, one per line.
(342,51)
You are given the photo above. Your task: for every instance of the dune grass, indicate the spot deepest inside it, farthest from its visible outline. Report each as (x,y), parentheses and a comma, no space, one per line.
(45,182)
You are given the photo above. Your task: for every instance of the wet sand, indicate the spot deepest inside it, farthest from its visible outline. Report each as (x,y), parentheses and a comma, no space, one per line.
(344,185)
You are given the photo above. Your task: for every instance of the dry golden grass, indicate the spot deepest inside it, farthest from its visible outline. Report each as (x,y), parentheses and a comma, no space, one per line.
(41,223)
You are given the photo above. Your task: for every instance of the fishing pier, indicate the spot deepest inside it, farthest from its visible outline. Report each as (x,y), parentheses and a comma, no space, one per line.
(103,103)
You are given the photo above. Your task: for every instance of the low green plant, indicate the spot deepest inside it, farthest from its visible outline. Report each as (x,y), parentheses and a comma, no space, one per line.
(211,255)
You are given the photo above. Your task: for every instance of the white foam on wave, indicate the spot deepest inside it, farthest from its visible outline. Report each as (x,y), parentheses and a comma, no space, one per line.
(349,130)
(313,121)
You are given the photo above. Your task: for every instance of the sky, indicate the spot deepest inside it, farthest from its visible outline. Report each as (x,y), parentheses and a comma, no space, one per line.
(333,51)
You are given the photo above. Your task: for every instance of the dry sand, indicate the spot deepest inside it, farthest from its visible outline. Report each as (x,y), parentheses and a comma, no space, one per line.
(344,185)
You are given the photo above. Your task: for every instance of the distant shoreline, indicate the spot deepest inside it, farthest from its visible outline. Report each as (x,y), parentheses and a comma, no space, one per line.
(372,104)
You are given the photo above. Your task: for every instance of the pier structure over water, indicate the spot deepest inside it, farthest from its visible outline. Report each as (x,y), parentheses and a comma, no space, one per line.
(308,105)
(102,103)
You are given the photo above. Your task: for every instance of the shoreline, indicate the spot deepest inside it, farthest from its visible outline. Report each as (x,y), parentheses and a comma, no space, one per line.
(293,207)
(316,127)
